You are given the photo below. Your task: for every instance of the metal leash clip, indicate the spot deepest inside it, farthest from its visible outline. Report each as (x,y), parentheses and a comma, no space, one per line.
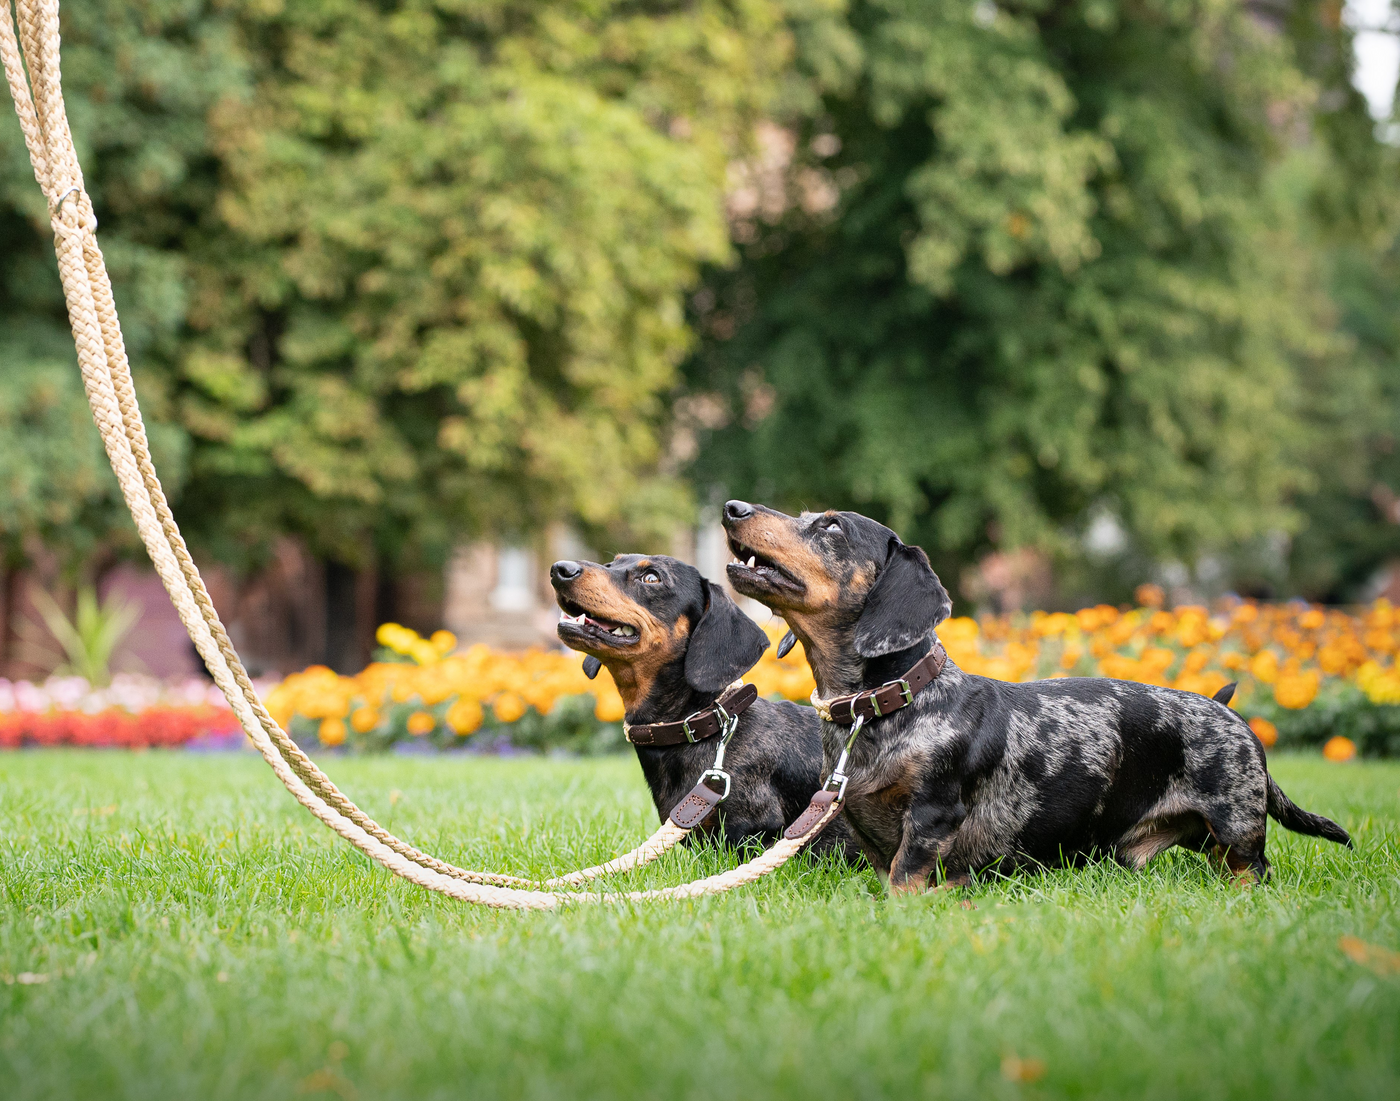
(728,724)
(838,774)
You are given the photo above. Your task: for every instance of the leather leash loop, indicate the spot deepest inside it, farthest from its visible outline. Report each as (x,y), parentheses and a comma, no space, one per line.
(702,798)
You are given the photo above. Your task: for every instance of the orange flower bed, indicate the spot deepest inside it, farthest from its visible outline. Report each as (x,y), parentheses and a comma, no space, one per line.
(1282,655)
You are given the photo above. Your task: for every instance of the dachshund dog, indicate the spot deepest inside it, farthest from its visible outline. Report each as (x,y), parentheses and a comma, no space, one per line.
(673,644)
(971,773)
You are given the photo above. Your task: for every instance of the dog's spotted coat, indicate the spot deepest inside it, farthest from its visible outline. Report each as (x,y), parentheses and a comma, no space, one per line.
(978,773)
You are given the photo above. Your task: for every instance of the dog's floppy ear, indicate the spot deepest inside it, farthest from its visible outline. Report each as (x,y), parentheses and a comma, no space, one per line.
(903,606)
(724,645)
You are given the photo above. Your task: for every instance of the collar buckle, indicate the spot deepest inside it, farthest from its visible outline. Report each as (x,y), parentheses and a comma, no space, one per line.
(904,690)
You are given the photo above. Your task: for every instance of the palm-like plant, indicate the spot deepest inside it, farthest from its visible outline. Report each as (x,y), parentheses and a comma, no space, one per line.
(89,639)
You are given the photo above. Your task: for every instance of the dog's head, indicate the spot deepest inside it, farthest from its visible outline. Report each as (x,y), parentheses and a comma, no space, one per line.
(657,624)
(842,581)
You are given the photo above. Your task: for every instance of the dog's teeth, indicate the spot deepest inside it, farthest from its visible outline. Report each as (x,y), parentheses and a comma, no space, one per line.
(751,561)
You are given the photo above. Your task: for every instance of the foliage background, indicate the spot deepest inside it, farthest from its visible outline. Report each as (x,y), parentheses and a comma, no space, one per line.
(1124,260)
(393,274)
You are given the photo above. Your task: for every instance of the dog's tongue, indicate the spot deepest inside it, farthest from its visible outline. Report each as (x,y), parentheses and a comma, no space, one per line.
(785,647)
(591,665)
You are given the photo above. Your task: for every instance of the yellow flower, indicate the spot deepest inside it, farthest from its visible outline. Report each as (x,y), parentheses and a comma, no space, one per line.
(609,708)
(1296,690)
(1339,749)
(331,732)
(464,716)
(509,707)
(958,629)
(420,723)
(1265,731)
(364,719)
(444,642)
(1150,596)
(1264,666)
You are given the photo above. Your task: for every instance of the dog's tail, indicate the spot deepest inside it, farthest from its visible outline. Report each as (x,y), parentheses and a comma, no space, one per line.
(1293,817)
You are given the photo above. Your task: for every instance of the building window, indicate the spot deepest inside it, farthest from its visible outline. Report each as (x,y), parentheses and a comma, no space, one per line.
(515,580)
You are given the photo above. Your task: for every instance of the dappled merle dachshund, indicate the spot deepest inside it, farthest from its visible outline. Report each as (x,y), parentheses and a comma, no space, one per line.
(673,643)
(963,772)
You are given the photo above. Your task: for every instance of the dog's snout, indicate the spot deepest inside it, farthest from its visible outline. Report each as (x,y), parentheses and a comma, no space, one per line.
(737,510)
(565,570)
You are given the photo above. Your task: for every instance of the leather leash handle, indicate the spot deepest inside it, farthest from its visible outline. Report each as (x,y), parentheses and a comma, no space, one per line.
(693,809)
(823,805)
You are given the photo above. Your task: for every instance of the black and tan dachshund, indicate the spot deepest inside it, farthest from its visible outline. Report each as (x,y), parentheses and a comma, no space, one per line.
(971,773)
(674,643)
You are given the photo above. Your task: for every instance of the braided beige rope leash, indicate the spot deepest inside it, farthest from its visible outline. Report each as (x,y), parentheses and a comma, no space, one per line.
(32,42)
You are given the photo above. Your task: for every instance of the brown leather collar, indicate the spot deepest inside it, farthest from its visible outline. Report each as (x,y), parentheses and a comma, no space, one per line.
(874,703)
(705,723)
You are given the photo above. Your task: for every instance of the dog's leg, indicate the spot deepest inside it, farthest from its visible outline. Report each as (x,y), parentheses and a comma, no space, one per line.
(908,877)
(1243,865)
(1239,847)
(928,826)
(918,863)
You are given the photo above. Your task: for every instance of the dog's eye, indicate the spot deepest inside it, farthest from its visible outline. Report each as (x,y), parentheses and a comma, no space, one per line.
(832,525)
(651,578)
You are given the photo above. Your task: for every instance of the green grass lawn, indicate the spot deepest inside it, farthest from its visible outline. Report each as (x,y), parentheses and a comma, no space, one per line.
(203,937)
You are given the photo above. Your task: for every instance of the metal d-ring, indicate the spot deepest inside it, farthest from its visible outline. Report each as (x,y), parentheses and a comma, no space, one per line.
(716,774)
(728,724)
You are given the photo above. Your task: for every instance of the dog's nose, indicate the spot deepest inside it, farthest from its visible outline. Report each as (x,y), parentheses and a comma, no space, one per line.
(565,570)
(737,510)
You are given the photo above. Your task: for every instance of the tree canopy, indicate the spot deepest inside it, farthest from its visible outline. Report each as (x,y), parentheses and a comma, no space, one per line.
(1078,267)
(400,272)
(395,273)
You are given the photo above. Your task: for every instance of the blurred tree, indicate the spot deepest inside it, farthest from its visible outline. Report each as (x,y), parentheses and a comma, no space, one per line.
(397,272)
(140,79)
(1347,178)
(1064,277)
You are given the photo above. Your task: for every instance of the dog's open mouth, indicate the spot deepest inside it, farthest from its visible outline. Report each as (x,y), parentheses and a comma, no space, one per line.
(583,625)
(751,572)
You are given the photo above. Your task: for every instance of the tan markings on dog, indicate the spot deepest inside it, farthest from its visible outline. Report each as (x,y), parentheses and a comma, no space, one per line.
(913,884)
(1166,822)
(776,537)
(1229,863)
(816,617)
(896,795)
(906,880)
(1147,840)
(634,668)
(1242,873)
